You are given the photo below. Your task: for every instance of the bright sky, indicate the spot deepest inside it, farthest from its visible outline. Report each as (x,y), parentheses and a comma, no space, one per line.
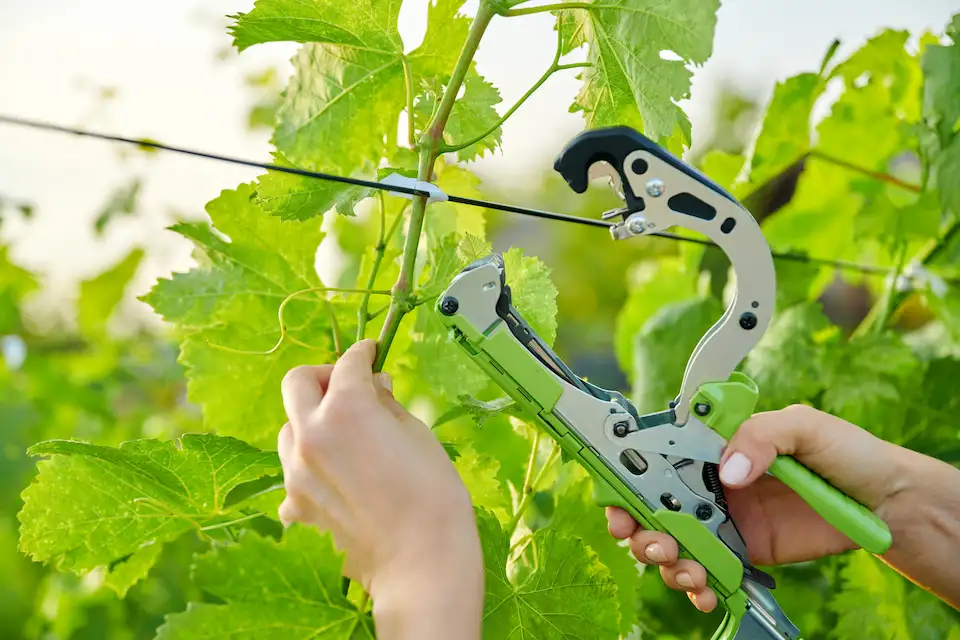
(162,60)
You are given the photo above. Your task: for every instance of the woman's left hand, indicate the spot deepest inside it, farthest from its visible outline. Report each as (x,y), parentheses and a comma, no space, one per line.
(358,464)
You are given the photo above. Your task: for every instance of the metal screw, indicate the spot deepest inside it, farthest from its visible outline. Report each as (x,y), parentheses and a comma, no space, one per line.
(636,225)
(449,306)
(670,502)
(748,321)
(655,187)
(701,408)
(621,429)
(704,512)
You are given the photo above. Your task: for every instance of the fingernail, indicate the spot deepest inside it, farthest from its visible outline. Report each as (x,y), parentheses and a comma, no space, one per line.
(736,469)
(684,580)
(654,552)
(385,381)
(693,599)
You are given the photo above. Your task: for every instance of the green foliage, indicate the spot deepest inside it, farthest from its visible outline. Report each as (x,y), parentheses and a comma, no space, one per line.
(271,589)
(629,82)
(133,529)
(567,582)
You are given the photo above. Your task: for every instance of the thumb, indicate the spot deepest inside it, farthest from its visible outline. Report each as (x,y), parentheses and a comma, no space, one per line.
(837,450)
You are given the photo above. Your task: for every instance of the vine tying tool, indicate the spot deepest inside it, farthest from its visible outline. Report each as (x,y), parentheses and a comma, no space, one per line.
(660,466)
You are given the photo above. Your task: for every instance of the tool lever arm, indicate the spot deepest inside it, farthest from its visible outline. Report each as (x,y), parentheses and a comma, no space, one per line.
(847,515)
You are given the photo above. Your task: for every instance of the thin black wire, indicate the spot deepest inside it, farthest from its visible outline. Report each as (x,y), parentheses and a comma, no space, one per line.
(794,257)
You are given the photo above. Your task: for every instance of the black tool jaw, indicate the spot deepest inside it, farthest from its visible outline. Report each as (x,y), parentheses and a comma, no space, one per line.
(614,145)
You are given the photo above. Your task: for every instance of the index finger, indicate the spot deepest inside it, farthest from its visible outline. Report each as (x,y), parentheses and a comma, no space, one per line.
(353,372)
(302,390)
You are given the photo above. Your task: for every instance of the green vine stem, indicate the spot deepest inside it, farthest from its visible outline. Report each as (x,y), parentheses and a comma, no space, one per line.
(401,300)
(533,487)
(870,173)
(363,317)
(408,90)
(553,68)
(562,6)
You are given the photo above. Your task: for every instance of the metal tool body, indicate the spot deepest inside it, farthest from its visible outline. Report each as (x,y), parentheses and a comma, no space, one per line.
(660,466)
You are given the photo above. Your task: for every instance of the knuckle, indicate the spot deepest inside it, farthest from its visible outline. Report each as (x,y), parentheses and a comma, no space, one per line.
(290,510)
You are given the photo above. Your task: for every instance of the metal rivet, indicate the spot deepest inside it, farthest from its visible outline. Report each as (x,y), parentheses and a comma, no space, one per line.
(701,408)
(748,321)
(704,512)
(636,225)
(655,187)
(670,502)
(621,429)
(449,306)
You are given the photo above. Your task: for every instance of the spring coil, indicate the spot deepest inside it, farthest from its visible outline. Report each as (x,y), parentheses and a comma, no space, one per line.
(711,480)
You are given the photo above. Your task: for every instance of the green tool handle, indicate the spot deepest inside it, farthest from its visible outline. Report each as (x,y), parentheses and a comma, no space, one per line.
(731,403)
(846,514)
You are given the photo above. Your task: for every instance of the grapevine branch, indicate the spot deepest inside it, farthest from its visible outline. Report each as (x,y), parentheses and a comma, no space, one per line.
(400,303)
(559,7)
(553,68)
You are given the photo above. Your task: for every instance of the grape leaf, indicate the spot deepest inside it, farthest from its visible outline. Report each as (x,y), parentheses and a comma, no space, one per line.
(271,590)
(294,197)
(350,74)
(941,87)
(948,168)
(122,576)
(722,167)
(534,294)
(479,475)
(871,379)
(629,82)
(231,301)
(653,285)
(944,300)
(568,595)
(784,135)
(499,436)
(929,427)
(445,263)
(663,347)
(472,115)
(99,296)
(791,363)
(91,505)
(577,514)
(878,602)
(473,247)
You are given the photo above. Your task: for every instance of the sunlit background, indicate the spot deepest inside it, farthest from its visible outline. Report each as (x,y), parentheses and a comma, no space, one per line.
(167,71)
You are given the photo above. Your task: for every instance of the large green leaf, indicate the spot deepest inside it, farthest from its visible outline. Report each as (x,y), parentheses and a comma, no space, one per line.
(231,301)
(629,82)
(472,116)
(576,514)
(16,284)
(341,107)
(272,590)
(91,505)
(569,593)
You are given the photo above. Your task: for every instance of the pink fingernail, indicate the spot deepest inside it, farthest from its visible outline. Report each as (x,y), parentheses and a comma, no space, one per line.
(736,469)
(655,553)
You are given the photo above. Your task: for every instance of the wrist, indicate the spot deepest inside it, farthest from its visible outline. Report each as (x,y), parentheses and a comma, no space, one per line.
(434,590)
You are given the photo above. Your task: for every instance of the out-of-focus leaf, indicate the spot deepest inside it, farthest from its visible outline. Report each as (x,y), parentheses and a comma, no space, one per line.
(663,347)
(99,296)
(122,202)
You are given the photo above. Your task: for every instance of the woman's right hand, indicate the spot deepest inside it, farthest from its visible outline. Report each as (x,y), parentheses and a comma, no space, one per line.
(778,527)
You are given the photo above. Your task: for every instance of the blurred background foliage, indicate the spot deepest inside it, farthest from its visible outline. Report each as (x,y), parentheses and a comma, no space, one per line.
(629,316)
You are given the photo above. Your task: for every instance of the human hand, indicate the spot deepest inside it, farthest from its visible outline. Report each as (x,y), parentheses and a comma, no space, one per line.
(356,463)
(776,524)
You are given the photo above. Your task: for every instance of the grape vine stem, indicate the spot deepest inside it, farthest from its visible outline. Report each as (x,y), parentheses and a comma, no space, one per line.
(401,300)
